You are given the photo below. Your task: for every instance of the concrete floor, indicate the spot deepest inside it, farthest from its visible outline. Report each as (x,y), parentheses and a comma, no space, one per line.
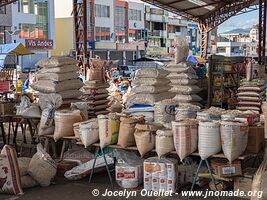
(82,190)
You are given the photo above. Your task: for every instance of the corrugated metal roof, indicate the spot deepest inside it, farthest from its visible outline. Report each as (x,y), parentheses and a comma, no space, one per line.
(193,9)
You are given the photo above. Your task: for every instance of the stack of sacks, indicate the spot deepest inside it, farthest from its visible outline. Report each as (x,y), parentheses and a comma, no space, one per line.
(182,76)
(59,75)
(96,94)
(150,86)
(183,81)
(251,95)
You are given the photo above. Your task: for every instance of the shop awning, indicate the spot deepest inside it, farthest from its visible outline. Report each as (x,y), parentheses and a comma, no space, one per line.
(9,53)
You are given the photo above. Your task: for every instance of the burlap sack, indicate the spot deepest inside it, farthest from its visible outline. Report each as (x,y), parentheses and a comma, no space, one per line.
(145,137)
(28,182)
(127,129)
(64,121)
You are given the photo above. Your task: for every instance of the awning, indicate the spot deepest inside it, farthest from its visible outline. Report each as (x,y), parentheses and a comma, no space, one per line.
(8,53)
(15,49)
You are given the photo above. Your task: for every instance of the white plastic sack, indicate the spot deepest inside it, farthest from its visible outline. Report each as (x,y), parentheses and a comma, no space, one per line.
(234,136)
(27,109)
(209,139)
(165,111)
(185,89)
(48,103)
(185,134)
(104,135)
(164,142)
(56,61)
(150,81)
(151,73)
(89,132)
(181,49)
(81,171)
(187,98)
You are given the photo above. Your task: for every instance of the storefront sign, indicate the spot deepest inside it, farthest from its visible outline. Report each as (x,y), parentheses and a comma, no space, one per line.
(39,44)
(130,46)
(105,46)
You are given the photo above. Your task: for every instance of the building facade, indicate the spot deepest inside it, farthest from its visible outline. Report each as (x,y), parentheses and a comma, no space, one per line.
(5,24)
(33,26)
(238,44)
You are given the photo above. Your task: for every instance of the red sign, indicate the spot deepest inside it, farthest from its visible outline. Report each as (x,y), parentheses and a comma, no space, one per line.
(39,44)
(4,86)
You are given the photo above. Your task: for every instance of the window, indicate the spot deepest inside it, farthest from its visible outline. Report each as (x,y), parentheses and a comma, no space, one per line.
(120,23)
(177,29)
(135,15)
(102,11)
(221,49)
(102,33)
(3,10)
(26,6)
(2,35)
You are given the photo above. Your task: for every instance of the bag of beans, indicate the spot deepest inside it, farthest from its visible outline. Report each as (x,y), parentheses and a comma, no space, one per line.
(127,129)
(164,142)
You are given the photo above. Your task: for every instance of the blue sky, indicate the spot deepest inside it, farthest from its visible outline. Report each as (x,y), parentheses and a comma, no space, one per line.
(246,20)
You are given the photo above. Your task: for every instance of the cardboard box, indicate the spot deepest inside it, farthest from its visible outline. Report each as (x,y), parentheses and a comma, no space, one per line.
(244,183)
(255,139)
(223,168)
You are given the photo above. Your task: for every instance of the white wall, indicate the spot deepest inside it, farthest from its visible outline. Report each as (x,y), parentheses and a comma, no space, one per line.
(63,8)
(104,21)
(137,24)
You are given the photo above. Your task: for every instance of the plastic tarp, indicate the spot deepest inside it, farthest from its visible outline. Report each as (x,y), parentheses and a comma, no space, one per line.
(8,53)
(196,59)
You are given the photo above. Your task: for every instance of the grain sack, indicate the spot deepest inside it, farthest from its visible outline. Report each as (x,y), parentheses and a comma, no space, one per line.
(180,68)
(209,139)
(250,94)
(76,129)
(186,112)
(150,89)
(181,49)
(69,94)
(127,129)
(9,171)
(96,72)
(164,142)
(78,154)
(64,121)
(249,71)
(150,81)
(46,86)
(254,82)
(185,135)
(48,103)
(182,76)
(63,69)
(151,73)
(42,167)
(56,62)
(187,89)
(183,81)
(113,127)
(96,84)
(89,132)
(128,169)
(82,107)
(95,91)
(28,109)
(57,76)
(164,111)
(23,164)
(28,182)
(145,137)
(260,182)
(251,88)
(264,111)
(234,136)
(148,98)
(187,98)
(104,135)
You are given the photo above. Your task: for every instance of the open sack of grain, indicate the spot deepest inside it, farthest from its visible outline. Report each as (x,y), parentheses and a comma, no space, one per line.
(164,142)
(185,135)
(127,129)
(234,137)
(145,137)
(89,132)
